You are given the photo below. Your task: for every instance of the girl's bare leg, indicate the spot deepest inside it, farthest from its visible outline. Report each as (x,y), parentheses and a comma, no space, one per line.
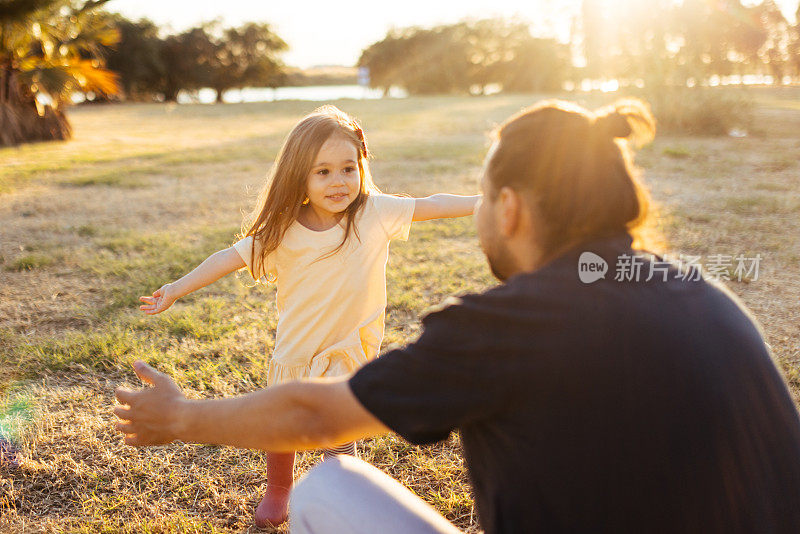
(274,506)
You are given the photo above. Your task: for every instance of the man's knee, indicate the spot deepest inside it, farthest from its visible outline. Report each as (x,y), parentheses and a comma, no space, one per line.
(345,494)
(314,482)
(320,484)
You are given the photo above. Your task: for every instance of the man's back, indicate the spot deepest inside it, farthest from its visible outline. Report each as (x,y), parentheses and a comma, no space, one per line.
(606,406)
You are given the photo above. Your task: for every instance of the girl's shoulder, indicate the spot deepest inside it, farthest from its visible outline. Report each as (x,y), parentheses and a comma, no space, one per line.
(385,202)
(393,213)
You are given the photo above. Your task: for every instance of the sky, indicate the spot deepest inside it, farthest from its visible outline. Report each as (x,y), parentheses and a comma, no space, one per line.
(326,32)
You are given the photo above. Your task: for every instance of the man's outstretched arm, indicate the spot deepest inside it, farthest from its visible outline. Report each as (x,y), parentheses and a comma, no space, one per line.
(302,415)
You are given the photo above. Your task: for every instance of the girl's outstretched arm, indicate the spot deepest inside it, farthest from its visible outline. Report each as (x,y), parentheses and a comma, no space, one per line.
(212,269)
(443,206)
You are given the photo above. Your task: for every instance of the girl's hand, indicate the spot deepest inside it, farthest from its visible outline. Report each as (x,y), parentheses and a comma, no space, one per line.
(213,268)
(161,300)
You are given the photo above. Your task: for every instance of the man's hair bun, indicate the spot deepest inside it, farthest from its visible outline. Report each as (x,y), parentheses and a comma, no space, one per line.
(613,125)
(626,118)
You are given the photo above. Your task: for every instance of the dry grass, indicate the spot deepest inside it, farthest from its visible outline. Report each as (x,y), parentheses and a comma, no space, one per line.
(86,226)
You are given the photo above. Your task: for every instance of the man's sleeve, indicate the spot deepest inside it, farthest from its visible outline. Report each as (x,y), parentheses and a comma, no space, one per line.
(441,382)
(395,214)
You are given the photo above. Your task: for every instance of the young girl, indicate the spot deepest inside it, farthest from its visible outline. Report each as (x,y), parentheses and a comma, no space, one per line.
(321,231)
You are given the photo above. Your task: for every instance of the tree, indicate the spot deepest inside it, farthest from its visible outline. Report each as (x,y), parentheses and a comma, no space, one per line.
(136,58)
(155,68)
(436,61)
(423,61)
(203,56)
(465,58)
(506,54)
(794,46)
(776,49)
(186,58)
(245,56)
(667,43)
(48,50)
(536,65)
(383,59)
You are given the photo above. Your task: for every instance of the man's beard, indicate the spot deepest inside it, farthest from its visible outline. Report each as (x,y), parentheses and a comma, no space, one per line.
(500,260)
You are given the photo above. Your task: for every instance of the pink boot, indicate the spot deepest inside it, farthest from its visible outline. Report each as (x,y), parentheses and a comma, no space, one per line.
(273,509)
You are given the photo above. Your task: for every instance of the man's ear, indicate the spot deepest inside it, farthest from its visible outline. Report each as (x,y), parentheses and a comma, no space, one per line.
(508,211)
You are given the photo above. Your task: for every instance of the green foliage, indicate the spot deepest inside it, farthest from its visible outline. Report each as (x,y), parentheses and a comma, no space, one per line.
(137,57)
(44,53)
(204,56)
(666,42)
(677,152)
(119,178)
(245,56)
(106,350)
(136,264)
(15,10)
(184,57)
(15,413)
(466,57)
(538,65)
(206,321)
(30,262)
(652,44)
(700,110)
(87,230)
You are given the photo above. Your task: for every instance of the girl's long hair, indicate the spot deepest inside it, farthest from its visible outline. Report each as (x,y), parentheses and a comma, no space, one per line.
(577,168)
(280,201)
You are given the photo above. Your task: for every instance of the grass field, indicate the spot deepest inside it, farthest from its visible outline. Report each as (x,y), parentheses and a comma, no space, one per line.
(145,192)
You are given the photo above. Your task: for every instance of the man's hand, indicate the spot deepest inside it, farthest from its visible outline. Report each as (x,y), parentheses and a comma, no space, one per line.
(149,416)
(301,415)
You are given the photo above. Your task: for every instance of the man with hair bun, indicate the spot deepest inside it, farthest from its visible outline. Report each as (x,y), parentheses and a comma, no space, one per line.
(583,404)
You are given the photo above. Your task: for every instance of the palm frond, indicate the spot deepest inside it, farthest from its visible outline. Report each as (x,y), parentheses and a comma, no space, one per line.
(15,37)
(90,5)
(59,79)
(55,81)
(16,10)
(91,77)
(95,32)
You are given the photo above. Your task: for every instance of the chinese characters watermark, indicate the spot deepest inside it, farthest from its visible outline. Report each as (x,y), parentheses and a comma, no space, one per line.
(636,268)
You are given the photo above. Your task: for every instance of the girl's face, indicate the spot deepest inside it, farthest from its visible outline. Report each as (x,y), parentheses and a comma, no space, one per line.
(334,181)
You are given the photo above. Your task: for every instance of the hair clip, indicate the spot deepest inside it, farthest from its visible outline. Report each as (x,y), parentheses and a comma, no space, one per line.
(360,134)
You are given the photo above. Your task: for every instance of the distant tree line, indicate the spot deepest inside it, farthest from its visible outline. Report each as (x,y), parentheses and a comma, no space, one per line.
(50,49)
(466,57)
(662,42)
(653,42)
(156,66)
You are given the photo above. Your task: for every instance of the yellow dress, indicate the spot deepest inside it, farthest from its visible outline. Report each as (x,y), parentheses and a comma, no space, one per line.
(331,310)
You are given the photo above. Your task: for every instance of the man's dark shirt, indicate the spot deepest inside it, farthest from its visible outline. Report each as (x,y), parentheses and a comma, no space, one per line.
(612,406)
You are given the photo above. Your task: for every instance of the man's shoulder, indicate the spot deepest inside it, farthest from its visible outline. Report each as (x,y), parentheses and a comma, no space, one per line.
(465,303)
(504,305)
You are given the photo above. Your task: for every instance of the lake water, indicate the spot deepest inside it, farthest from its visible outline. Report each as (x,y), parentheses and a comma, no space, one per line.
(318,93)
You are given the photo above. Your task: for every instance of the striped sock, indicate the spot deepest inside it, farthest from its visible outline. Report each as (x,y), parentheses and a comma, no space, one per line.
(346,448)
